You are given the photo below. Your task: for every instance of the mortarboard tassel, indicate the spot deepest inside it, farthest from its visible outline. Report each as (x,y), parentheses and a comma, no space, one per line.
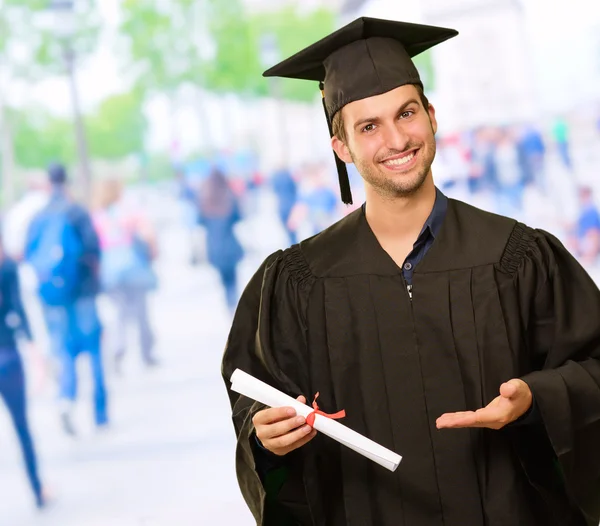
(341,166)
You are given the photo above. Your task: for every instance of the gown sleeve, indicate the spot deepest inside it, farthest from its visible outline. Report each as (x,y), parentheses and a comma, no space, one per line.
(560,306)
(268,340)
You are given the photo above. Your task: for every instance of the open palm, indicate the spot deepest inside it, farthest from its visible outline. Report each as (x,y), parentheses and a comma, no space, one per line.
(514,400)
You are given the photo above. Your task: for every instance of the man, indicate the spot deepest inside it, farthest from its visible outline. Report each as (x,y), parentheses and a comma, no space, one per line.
(465,341)
(62,247)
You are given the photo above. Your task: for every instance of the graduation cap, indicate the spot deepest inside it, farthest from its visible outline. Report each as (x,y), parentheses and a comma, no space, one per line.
(368,57)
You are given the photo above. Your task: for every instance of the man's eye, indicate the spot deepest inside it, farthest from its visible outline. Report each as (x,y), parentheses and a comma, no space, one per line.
(368,128)
(406,114)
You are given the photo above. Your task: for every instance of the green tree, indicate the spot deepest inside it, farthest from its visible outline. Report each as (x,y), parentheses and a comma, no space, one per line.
(39,40)
(117,128)
(214,44)
(241,41)
(424,64)
(156,46)
(40,138)
(39,34)
(235,66)
(292,31)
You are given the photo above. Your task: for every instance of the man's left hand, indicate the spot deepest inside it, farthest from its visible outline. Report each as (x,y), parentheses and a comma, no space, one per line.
(514,401)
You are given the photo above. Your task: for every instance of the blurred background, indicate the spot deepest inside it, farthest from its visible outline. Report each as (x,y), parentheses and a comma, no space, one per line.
(157,109)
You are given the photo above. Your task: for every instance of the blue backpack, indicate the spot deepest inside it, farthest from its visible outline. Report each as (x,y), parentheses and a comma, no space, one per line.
(56,258)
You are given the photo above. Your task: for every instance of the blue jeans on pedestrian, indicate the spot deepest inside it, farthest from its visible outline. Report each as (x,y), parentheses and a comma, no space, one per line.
(74,329)
(12,390)
(229,280)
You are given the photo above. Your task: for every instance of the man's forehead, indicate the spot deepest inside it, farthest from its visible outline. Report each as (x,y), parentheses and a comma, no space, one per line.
(389,101)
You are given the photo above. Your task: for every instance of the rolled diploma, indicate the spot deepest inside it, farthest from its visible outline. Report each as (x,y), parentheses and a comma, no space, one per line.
(256,389)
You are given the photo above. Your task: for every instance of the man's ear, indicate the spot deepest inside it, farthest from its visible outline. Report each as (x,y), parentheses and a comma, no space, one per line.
(432,119)
(341,149)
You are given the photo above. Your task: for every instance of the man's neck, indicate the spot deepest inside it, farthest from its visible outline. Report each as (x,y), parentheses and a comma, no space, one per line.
(57,190)
(400,218)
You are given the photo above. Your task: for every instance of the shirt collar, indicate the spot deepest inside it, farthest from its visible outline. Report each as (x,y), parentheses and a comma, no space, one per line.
(436,217)
(434,222)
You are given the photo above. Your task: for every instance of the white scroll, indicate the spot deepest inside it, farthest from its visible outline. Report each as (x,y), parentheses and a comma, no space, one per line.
(255,389)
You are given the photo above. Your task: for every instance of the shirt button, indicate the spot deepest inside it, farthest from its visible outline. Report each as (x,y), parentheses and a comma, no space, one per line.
(407,265)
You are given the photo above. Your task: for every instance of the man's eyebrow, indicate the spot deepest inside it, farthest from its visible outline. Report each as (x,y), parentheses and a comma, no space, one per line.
(375,120)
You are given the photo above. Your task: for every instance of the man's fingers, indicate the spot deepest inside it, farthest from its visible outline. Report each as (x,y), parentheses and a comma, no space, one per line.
(486,417)
(286,441)
(272,415)
(454,420)
(275,414)
(277,429)
(504,409)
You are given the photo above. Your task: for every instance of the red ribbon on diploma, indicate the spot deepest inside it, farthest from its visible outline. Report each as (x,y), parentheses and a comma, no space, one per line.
(310,419)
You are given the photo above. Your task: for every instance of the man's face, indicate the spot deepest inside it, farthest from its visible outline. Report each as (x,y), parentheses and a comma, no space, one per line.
(390,139)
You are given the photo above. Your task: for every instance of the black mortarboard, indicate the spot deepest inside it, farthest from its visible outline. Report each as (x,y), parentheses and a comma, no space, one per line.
(367,57)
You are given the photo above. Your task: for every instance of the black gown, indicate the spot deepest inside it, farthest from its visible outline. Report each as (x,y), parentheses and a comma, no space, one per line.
(492,300)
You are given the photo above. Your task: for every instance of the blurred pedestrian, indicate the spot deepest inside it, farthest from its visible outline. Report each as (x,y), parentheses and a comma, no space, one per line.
(128,248)
(509,174)
(286,190)
(14,323)
(62,247)
(317,204)
(586,234)
(482,176)
(560,134)
(532,151)
(190,214)
(219,213)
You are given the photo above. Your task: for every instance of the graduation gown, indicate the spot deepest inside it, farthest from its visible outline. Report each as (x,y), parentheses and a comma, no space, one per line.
(492,300)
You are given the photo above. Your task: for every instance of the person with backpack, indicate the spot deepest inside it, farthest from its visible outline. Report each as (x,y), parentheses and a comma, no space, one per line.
(62,247)
(128,247)
(13,323)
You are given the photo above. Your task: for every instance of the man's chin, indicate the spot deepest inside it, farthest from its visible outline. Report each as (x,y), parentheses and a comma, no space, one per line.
(410,185)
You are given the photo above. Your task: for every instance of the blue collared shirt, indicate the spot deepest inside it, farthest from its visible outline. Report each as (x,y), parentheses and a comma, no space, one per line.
(429,232)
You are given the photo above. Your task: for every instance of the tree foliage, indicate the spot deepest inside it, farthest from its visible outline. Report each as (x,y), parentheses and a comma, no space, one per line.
(37,36)
(215,45)
(40,138)
(293,31)
(117,128)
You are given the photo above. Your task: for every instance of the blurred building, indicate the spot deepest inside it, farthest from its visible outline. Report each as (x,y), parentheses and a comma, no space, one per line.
(485,75)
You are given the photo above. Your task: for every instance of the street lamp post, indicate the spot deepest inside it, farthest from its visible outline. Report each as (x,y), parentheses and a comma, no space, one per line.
(65,11)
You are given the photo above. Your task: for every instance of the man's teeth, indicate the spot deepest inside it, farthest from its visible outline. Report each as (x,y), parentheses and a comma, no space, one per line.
(402,160)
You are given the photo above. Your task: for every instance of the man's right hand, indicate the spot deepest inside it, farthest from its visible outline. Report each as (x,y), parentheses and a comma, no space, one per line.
(280,430)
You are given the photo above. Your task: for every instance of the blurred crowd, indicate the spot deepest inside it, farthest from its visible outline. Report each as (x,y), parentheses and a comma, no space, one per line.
(533,173)
(75,254)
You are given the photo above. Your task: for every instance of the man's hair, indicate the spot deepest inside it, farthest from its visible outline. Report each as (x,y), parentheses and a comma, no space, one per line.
(339,129)
(57,174)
